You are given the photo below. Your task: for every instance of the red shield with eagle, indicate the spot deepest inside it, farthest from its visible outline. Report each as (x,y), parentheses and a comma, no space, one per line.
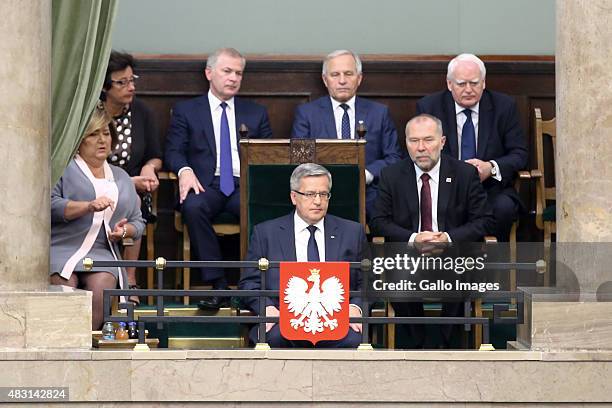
(314,300)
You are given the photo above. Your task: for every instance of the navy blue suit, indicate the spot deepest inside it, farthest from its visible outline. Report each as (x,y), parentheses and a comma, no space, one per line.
(500,138)
(316,120)
(275,240)
(191,143)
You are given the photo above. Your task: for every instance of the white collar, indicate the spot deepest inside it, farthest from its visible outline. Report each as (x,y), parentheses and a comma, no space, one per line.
(459,109)
(215,102)
(350,103)
(433,173)
(301,225)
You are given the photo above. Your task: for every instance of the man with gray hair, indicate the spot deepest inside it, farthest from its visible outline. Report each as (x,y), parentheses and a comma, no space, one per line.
(482,128)
(202,149)
(307,234)
(428,199)
(336,116)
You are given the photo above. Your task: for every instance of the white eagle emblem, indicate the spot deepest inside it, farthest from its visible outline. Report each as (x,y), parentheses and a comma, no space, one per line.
(315,306)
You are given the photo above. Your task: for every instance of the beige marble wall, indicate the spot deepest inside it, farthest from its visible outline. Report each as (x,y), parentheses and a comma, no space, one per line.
(25,74)
(569,326)
(584,130)
(340,376)
(57,318)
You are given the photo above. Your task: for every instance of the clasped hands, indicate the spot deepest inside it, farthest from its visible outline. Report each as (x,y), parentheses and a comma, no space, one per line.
(147,181)
(430,243)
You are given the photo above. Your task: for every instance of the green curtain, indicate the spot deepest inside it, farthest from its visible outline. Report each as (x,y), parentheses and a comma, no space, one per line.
(81,47)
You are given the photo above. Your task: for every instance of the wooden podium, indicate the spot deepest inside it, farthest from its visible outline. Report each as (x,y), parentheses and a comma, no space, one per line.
(294,152)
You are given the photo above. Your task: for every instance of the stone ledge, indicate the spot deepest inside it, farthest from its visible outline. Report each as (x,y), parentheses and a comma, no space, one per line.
(8,354)
(467,380)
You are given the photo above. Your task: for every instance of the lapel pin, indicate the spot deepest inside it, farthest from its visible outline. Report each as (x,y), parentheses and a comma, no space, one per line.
(332,236)
(448,180)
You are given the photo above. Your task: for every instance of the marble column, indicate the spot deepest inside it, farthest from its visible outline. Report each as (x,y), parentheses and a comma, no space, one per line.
(33,315)
(25,124)
(571,315)
(584,144)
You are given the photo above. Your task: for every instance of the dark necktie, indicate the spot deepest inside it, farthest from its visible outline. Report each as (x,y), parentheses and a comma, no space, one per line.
(226,174)
(468,137)
(313,249)
(426,204)
(346,123)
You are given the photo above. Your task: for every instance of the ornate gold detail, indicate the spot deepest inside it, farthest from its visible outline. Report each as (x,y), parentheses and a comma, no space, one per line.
(303,151)
(88,264)
(263,264)
(160,263)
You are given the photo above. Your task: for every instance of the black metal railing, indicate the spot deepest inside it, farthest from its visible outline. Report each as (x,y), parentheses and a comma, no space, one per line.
(263,265)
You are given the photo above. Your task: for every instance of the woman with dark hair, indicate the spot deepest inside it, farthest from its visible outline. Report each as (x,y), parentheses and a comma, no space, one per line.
(93,206)
(137,150)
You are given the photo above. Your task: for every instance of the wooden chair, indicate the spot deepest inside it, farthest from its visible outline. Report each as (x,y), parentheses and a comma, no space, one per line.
(150,234)
(266,165)
(222,225)
(545,217)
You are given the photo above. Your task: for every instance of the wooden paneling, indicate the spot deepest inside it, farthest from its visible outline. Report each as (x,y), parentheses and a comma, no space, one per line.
(283,82)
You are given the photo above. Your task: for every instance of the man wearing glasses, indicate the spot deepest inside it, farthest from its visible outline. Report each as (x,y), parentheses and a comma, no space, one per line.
(307,234)
(482,128)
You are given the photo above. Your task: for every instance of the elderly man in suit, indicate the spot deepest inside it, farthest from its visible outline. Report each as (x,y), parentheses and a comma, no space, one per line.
(430,198)
(482,128)
(202,148)
(306,234)
(335,117)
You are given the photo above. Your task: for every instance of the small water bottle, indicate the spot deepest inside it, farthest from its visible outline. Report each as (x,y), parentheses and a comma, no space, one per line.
(121,333)
(108,331)
(132,331)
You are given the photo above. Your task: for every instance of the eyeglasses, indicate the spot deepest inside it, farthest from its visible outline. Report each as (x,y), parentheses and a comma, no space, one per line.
(122,83)
(310,195)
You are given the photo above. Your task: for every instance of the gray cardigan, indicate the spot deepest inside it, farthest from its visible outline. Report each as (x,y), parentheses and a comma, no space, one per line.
(67,236)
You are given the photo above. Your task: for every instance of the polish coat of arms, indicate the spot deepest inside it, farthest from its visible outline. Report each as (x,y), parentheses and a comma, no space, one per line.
(314,301)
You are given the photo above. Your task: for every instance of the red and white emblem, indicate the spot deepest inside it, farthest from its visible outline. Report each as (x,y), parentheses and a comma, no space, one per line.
(314,300)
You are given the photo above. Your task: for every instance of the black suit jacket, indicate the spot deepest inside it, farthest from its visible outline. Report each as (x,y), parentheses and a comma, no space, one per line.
(462,210)
(275,240)
(500,136)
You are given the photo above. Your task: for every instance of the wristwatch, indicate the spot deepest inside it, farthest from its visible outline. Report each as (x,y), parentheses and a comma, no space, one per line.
(493,169)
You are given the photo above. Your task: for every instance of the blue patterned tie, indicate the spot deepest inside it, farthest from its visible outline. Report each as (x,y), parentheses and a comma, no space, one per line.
(313,249)
(226,175)
(346,123)
(468,137)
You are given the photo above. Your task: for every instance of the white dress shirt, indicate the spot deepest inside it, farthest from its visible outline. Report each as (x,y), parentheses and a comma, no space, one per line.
(338,114)
(461,119)
(215,111)
(302,235)
(434,186)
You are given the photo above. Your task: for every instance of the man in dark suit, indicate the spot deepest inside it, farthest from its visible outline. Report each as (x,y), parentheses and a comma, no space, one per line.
(335,117)
(306,234)
(482,128)
(202,149)
(431,198)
